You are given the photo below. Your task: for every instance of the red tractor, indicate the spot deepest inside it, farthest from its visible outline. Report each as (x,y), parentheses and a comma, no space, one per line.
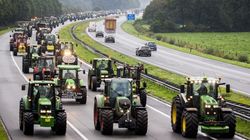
(20,46)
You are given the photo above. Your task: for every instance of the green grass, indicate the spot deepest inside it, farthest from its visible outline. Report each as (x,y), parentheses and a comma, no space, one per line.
(227,44)
(153,89)
(4,30)
(3,134)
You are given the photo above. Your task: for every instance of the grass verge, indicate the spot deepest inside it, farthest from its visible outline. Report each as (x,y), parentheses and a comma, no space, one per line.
(229,52)
(154,89)
(3,134)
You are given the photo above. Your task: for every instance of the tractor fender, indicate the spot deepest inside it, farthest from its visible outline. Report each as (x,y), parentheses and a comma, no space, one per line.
(100,101)
(81,83)
(25,102)
(58,103)
(226,110)
(191,109)
(136,101)
(56,80)
(182,99)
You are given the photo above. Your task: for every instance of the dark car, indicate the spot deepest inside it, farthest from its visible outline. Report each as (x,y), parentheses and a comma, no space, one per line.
(152,46)
(99,34)
(109,38)
(143,51)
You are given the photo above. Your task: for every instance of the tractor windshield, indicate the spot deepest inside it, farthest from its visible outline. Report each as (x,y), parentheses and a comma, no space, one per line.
(120,88)
(42,91)
(102,65)
(69,74)
(204,88)
(47,63)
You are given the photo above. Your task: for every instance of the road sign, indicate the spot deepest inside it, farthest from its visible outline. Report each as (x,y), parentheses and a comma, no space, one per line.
(131,17)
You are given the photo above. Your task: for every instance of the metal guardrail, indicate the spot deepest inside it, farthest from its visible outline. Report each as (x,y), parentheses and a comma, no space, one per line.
(243,111)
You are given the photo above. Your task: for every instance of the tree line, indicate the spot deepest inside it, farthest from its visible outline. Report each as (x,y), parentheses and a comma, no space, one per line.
(18,10)
(198,15)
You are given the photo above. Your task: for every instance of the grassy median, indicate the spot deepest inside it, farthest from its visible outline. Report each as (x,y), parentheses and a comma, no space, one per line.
(154,89)
(3,134)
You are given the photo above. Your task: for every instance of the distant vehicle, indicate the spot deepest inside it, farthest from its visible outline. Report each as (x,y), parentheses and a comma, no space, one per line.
(92,27)
(99,34)
(143,51)
(152,46)
(109,38)
(110,25)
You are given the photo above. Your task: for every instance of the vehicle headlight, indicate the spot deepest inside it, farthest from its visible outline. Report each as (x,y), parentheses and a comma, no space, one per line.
(67,53)
(74,87)
(207,106)
(215,106)
(42,111)
(48,111)
(68,87)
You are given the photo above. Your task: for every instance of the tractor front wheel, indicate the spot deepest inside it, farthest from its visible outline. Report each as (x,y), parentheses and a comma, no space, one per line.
(176,112)
(96,117)
(107,122)
(61,123)
(84,96)
(143,98)
(230,120)
(21,108)
(189,124)
(28,123)
(141,122)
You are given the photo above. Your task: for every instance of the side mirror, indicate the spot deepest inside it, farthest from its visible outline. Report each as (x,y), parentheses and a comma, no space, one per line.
(227,88)
(182,88)
(76,45)
(146,71)
(91,62)
(10,36)
(83,71)
(58,37)
(144,84)
(23,87)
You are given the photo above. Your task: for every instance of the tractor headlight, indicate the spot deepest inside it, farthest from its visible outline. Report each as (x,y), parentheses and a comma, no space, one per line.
(68,87)
(67,53)
(215,106)
(207,106)
(42,111)
(73,87)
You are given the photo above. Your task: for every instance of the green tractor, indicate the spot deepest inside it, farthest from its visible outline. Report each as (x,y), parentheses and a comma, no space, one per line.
(101,69)
(134,72)
(70,85)
(118,104)
(202,105)
(30,60)
(41,106)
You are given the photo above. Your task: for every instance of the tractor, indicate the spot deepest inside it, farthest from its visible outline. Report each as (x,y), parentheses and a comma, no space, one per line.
(30,60)
(118,104)
(13,38)
(42,107)
(101,69)
(20,46)
(202,105)
(66,54)
(40,35)
(134,72)
(70,85)
(45,68)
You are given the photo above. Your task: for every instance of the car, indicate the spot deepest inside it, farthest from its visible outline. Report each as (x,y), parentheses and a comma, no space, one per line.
(109,38)
(99,34)
(143,51)
(152,46)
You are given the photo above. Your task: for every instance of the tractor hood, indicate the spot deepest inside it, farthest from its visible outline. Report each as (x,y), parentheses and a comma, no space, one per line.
(44,102)
(208,101)
(70,84)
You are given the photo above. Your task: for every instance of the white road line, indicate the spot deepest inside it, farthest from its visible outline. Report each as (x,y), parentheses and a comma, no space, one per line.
(26,79)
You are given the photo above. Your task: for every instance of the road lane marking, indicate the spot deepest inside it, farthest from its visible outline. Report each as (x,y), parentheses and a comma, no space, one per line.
(26,79)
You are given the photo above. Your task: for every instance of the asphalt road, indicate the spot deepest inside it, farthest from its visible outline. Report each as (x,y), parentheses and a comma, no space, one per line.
(80,117)
(178,62)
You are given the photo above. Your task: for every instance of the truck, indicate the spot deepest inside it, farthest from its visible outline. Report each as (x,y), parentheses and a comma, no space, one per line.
(110,29)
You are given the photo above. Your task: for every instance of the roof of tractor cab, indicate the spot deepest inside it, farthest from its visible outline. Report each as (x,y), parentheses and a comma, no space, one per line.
(98,59)
(68,67)
(119,79)
(203,79)
(42,82)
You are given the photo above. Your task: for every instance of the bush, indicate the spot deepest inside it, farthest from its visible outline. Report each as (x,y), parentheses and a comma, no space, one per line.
(209,51)
(243,58)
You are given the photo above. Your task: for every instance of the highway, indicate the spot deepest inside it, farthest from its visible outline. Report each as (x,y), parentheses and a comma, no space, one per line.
(80,117)
(179,62)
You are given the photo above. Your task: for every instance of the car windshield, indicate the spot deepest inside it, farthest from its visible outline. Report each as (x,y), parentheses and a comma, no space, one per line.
(50,37)
(204,88)
(145,48)
(151,43)
(102,64)
(120,88)
(43,91)
(68,74)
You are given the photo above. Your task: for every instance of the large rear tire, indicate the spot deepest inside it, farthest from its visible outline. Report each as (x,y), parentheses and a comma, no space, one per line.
(61,123)
(230,120)
(96,117)
(28,123)
(176,112)
(25,66)
(189,123)
(107,121)
(143,98)
(141,122)
(21,108)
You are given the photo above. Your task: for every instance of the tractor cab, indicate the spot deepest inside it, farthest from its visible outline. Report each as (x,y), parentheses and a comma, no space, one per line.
(66,54)
(41,106)
(101,69)
(45,68)
(30,60)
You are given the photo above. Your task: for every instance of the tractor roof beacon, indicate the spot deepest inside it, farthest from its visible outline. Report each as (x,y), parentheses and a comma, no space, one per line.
(41,106)
(202,105)
(118,104)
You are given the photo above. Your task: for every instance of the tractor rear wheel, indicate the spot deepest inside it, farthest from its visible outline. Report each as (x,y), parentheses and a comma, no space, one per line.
(25,66)
(61,123)
(107,122)
(143,98)
(176,112)
(11,47)
(230,120)
(28,123)
(96,117)
(84,96)
(93,83)
(21,108)
(141,122)
(189,124)
(15,52)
